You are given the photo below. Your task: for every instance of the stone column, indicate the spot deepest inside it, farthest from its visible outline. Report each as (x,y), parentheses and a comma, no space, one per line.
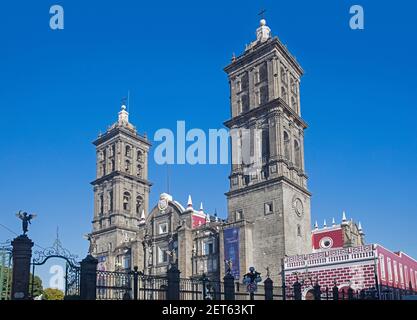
(88,278)
(229,287)
(273,146)
(279,134)
(233,97)
(302,149)
(270,76)
(173,292)
(185,249)
(251,91)
(269,289)
(278,77)
(298,97)
(22,253)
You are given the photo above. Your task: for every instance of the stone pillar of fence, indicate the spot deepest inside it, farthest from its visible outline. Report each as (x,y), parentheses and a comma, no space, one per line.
(88,278)
(135,282)
(335,293)
(297,290)
(317,291)
(173,292)
(269,288)
(229,287)
(22,253)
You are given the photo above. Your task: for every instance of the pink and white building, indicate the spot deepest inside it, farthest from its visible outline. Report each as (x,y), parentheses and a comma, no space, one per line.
(340,258)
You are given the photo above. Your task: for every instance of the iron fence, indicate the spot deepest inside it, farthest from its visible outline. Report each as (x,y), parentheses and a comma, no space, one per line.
(113,285)
(151,288)
(137,286)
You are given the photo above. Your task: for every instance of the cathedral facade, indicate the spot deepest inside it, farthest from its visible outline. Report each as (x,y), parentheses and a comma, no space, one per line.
(268,200)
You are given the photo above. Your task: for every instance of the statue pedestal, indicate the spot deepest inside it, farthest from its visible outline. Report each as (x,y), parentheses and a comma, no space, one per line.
(22,253)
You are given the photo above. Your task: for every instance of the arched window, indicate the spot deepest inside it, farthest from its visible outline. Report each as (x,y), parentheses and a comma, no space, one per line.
(126,201)
(286,145)
(256,76)
(112,165)
(238,85)
(263,72)
(245,102)
(128,151)
(265,144)
(284,93)
(283,76)
(293,104)
(101,204)
(127,166)
(297,153)
(139,203)
(293,86)
(111,201)
(139,171)
(245,82)
(139,156)
(264,94)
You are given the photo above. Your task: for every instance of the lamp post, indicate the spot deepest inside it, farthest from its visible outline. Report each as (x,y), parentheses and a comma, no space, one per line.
(251,280)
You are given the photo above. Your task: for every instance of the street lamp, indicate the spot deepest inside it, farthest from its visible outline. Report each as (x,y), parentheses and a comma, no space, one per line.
(251,280)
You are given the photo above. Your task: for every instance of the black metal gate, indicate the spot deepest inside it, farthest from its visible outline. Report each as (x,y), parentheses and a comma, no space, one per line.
(72,268)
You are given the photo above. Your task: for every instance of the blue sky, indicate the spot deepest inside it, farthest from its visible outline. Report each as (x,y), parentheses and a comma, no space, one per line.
(59,89)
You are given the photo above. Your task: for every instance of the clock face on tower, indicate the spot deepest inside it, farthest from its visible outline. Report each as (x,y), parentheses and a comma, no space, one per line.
(298,207)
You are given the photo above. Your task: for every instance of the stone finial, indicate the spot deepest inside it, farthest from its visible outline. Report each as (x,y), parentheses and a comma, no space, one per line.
(189,202)
(142,217)
(324,224)
(316,225)
(360,228)
(344,220)
(201,208)
(333,222)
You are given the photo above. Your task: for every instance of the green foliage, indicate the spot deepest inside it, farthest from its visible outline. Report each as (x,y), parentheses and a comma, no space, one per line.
(53,294)
(37,286)
(5,287)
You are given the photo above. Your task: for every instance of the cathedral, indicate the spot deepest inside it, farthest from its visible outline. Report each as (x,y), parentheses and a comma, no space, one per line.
(268,201)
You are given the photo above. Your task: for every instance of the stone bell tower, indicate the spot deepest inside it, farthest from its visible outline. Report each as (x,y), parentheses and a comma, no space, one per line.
(121,191)
(268,183)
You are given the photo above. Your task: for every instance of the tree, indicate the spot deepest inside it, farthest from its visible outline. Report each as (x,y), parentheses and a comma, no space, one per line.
(53,294)
(37,286)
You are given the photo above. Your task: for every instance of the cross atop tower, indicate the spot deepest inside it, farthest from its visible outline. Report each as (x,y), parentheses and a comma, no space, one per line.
(262,13)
